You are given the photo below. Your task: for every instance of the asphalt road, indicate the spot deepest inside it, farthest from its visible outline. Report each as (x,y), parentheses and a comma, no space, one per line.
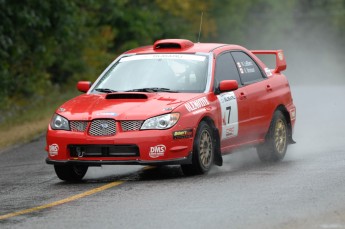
(305,190)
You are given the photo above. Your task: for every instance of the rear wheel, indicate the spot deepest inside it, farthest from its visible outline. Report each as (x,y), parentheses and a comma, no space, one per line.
(274,149)
(71,173)
(203,151)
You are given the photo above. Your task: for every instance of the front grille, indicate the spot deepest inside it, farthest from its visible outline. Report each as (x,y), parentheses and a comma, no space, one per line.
(78,126)
(131,125)
(103,127)
(103,150)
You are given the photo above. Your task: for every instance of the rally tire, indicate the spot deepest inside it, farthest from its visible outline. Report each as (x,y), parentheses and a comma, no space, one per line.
(275,146)
(203,151)
(70,173)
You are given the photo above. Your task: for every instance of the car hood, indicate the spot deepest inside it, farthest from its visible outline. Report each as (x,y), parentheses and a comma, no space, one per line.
(122,106)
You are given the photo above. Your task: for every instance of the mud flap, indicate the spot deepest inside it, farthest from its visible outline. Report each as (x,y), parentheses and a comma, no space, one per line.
(218,159)
(292,141)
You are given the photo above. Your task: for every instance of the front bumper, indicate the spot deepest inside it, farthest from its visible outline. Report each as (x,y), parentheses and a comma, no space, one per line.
(149,147)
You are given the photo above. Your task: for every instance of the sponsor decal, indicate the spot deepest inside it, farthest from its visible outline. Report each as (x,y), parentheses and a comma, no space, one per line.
(164,56)
(157,151)
(196,104)
(280,55)
(223,98)
(293,114)
(229,112)
(53,149)
(107,114)
(168,109)
(183,134)
(268,72)
(229,132)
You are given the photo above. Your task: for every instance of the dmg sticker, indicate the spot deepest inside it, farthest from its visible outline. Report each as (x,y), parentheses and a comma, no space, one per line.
(228,105)
(157,151)
(53,149)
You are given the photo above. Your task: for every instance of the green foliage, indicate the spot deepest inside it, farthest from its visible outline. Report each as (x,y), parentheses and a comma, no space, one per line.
(45,45)
(39,43)
(138,22)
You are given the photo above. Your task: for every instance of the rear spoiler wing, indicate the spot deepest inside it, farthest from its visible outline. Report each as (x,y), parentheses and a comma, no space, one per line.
(280,59)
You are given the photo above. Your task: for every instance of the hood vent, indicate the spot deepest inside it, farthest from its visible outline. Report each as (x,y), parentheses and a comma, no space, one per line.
(126,96)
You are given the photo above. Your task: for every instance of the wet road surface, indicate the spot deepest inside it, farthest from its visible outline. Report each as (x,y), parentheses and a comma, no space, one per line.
(305,190)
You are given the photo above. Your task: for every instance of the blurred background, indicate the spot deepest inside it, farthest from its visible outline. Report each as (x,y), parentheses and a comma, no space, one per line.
(47,46)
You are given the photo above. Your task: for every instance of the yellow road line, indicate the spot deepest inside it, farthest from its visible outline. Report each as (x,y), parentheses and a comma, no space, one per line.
(63,201)
(149,167)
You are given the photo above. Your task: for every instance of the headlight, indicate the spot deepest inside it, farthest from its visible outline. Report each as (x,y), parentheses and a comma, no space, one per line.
(59,123)
(161,122)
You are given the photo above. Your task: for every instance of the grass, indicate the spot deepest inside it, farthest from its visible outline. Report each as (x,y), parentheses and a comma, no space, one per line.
(22,133)
(27,124)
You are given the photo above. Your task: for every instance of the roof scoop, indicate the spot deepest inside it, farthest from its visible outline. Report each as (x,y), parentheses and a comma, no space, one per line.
(172,44)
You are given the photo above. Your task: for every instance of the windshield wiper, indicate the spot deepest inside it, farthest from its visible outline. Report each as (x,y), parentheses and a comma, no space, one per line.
(152,89)
(105,90)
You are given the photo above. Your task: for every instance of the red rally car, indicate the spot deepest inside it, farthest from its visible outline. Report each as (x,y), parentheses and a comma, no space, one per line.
(174,102)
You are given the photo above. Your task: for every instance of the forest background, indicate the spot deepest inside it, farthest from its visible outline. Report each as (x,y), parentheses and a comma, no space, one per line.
(47,46)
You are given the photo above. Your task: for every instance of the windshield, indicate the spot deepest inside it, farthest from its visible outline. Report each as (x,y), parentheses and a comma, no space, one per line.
(156,72)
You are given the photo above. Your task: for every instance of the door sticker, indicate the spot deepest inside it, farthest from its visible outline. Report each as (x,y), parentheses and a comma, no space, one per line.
(228,105)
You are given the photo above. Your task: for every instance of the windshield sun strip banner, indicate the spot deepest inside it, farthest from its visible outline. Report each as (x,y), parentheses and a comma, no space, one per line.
(164,56)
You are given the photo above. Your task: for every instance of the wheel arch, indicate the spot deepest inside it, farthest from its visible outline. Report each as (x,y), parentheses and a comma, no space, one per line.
(218,160)
(286,114)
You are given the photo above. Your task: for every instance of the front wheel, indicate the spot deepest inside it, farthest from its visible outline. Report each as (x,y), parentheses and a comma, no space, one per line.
(203,151)
(70,173)
(275,146)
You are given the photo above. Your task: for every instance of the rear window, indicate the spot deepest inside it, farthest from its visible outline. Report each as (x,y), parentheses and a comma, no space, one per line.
(248,70)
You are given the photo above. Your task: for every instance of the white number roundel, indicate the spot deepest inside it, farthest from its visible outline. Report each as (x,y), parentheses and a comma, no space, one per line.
(228,105)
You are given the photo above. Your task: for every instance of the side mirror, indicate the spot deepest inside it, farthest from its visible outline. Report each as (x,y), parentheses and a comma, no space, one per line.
(228,85)
(83,86)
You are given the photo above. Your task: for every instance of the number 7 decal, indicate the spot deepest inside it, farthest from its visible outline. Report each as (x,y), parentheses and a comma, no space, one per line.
(229,111)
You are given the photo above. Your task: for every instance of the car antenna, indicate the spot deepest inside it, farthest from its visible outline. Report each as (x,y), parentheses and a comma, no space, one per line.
(202,13)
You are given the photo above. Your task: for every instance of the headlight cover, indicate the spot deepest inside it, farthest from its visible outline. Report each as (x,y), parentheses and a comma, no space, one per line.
(59,123)
(161,122)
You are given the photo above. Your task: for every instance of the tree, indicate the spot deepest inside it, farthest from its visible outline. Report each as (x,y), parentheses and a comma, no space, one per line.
(40,45)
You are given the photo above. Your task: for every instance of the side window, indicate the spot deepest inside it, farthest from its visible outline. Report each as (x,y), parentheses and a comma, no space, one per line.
(248,69)
(226,69)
